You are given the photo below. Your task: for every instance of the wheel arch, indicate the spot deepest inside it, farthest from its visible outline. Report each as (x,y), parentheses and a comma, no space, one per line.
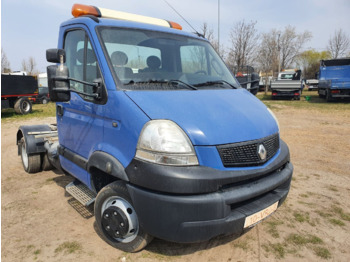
(33,145)
(104,169)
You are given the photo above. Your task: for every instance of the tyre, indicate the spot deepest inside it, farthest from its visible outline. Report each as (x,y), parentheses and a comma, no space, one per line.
(46,164)
(31,163)
(117,220)
(23,106)
(329,97)
(45,101)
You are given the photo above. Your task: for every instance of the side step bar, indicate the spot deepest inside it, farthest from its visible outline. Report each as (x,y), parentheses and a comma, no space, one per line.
(81,193)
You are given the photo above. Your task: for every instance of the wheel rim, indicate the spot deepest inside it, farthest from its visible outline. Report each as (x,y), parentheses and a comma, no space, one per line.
(119,219)
(25,106)
(24,155)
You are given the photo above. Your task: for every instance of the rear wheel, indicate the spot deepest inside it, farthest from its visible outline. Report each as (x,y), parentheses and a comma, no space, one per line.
(31,163)
(23,106)
(45,101)
(329,97)
(46,164)
(117,220)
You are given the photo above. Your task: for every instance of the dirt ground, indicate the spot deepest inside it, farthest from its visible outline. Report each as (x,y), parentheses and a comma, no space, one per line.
(40,222)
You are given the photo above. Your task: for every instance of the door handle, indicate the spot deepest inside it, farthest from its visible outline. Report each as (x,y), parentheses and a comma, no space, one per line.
(59,109)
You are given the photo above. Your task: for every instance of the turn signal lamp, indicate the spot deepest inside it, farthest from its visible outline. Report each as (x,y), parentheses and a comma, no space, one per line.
(80,10)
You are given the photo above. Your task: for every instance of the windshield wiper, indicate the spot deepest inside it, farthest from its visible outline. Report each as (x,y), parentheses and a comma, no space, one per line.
(218,82)
(183,83)
(170,82)
(132,82)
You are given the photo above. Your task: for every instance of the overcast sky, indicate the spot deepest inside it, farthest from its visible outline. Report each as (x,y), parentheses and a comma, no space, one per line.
(29,27)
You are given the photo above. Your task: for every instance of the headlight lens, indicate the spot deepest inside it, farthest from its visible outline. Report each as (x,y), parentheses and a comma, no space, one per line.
(164,142)
(274,117)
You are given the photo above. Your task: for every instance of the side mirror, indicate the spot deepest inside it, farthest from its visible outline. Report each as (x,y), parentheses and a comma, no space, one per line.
(57,76)
(58,82)
(55,55)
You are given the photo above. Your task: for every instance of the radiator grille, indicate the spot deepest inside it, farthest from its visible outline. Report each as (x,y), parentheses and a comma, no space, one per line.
(246,153)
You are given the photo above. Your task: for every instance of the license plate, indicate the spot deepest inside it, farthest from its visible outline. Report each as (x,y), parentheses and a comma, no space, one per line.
(259,216)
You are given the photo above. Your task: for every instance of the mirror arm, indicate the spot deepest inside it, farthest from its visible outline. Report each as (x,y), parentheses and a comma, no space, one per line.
(64,78)
(85,94)
(96,84)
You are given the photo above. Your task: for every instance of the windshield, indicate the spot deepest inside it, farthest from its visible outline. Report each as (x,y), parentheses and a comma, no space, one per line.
(287,76)
(151,60)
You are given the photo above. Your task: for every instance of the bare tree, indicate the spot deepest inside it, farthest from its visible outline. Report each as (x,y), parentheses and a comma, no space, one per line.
(5,64)
(338,44)
(32,66)
(209,34)
(244,43)
(24,66)
(268,51)
(29,66)
(268,54)
(290,44)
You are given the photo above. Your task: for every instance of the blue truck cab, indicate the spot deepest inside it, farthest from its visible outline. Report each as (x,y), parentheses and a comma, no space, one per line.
(158,133)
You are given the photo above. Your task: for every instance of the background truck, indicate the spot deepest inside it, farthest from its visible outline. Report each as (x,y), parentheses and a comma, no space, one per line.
(248,78)
(287,85)
(334,79)
(158,134)
(312,84)
(16,91)
(43,90)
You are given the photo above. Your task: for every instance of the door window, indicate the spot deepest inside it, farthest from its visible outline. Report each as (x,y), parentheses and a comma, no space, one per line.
(81,61)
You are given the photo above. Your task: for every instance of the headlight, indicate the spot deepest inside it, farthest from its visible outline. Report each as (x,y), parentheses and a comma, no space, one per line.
(164,142)
(274,117)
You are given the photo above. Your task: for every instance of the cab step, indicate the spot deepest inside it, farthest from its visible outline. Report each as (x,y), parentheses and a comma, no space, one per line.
(81,193)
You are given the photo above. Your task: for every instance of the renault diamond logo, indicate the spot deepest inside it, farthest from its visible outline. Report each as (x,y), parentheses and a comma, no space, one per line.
(262,152)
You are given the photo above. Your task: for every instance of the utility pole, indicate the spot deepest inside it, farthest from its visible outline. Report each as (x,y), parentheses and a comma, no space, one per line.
(219,26)
(279,56)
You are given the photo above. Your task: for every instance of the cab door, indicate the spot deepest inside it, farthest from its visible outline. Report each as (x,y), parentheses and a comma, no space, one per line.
(80,121)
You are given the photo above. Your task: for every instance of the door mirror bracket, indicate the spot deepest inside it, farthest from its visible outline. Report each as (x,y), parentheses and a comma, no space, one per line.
(59,80)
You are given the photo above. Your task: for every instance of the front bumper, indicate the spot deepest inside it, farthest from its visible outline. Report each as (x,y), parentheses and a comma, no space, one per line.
(184,209)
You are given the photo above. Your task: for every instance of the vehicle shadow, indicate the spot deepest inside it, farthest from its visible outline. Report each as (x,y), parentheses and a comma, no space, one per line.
(165,248)
(171,249)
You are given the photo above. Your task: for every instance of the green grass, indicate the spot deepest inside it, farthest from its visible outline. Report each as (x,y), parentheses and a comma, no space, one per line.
(310,242)
(243,244)
(301,217)
(69,247)
(278,249)
(332,188)
(301,240)
(339,211)
(37,252)
(314,103)
(322,252)
(272,228)
(336,222)
(39,110)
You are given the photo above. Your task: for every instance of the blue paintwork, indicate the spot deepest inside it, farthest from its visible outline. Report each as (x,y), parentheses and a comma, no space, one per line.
(209,117)
(338,75)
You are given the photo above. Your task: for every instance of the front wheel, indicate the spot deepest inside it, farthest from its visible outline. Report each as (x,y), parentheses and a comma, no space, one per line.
(117,220)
